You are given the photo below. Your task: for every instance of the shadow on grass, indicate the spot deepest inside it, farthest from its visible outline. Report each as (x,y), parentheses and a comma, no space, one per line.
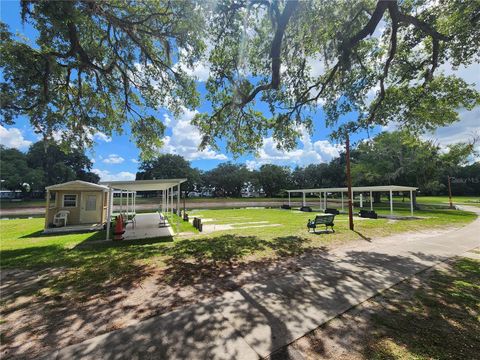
(191,261)
(97,235)
(434,316)
(93,265)
(369,239)
(439,321)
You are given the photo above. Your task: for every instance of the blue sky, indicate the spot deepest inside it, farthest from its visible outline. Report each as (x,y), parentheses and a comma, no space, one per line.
(116,157)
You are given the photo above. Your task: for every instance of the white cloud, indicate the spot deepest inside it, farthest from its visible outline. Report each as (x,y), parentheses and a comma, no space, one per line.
(13,138)
(113,159)
(200,71)
(316,65)
(469,124)
(470,73)
(135,161)
(91,134)
(101,136)
(462,131)
(316,152)
(186,138)
(106,175)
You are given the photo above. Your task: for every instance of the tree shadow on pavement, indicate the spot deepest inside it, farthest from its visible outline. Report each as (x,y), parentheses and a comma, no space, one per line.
(276,304)
(433,315)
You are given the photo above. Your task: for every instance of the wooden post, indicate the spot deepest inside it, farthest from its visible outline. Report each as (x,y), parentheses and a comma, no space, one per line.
(371,201)
(450,192)
(289,203)
(303,198)
(349,183)
(343,207)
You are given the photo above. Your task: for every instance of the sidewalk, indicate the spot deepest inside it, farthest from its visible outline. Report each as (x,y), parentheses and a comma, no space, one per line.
(257,319)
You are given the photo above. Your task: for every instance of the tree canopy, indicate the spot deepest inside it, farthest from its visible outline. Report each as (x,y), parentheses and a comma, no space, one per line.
(273,179)
(378,59)
(43,165)
(401,158)
(168,166)
(98,65)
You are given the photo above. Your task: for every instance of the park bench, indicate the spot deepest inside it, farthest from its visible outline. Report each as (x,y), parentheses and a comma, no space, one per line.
(326,219)
(286,207)
(306,209)
(332,211)
(368,214)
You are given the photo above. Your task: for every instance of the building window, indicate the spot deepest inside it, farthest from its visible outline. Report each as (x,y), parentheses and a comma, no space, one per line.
(69,200)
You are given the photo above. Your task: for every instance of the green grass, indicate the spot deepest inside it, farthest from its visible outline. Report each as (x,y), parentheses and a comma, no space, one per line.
(7,204)
(91,265)
(456,200)
(180,226)
(441,320)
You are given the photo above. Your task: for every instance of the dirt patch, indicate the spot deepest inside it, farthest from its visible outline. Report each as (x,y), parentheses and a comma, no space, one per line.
(36,321)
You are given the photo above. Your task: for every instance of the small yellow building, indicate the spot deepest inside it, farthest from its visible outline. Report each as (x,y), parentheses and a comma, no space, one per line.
(76,203)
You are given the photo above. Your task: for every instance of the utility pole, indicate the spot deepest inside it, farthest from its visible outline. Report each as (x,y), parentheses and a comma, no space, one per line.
(349,183)
(450,192)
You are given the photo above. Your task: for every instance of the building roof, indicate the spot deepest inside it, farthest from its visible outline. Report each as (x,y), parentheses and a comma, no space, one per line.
(382,188)
(144,185)
(77,185)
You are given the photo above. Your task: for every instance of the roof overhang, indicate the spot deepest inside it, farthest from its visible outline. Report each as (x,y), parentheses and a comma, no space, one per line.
(144,185)
(357,189)
(77,185)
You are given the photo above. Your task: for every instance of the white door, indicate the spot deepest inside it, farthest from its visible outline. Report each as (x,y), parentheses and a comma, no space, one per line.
(90,210)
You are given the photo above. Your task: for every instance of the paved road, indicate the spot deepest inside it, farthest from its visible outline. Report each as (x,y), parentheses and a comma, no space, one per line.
(255,320)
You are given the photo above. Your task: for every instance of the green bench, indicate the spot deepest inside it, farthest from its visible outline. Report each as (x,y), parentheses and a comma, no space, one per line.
(324,219)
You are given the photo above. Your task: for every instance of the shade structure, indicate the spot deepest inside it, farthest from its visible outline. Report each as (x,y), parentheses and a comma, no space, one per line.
(144,185)
(166,186)
(358,189)
(381,188)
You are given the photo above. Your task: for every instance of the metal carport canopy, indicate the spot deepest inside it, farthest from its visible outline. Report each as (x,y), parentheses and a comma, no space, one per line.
(361,189)
(144,185)
(357,189)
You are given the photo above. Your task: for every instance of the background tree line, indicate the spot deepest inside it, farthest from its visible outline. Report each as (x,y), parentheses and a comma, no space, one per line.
(43,165)
(389,158)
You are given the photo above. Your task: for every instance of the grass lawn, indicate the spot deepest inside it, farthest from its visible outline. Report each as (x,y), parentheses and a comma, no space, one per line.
(443,200)
(53,281)
(253,233)
(7,204)
(435,315)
